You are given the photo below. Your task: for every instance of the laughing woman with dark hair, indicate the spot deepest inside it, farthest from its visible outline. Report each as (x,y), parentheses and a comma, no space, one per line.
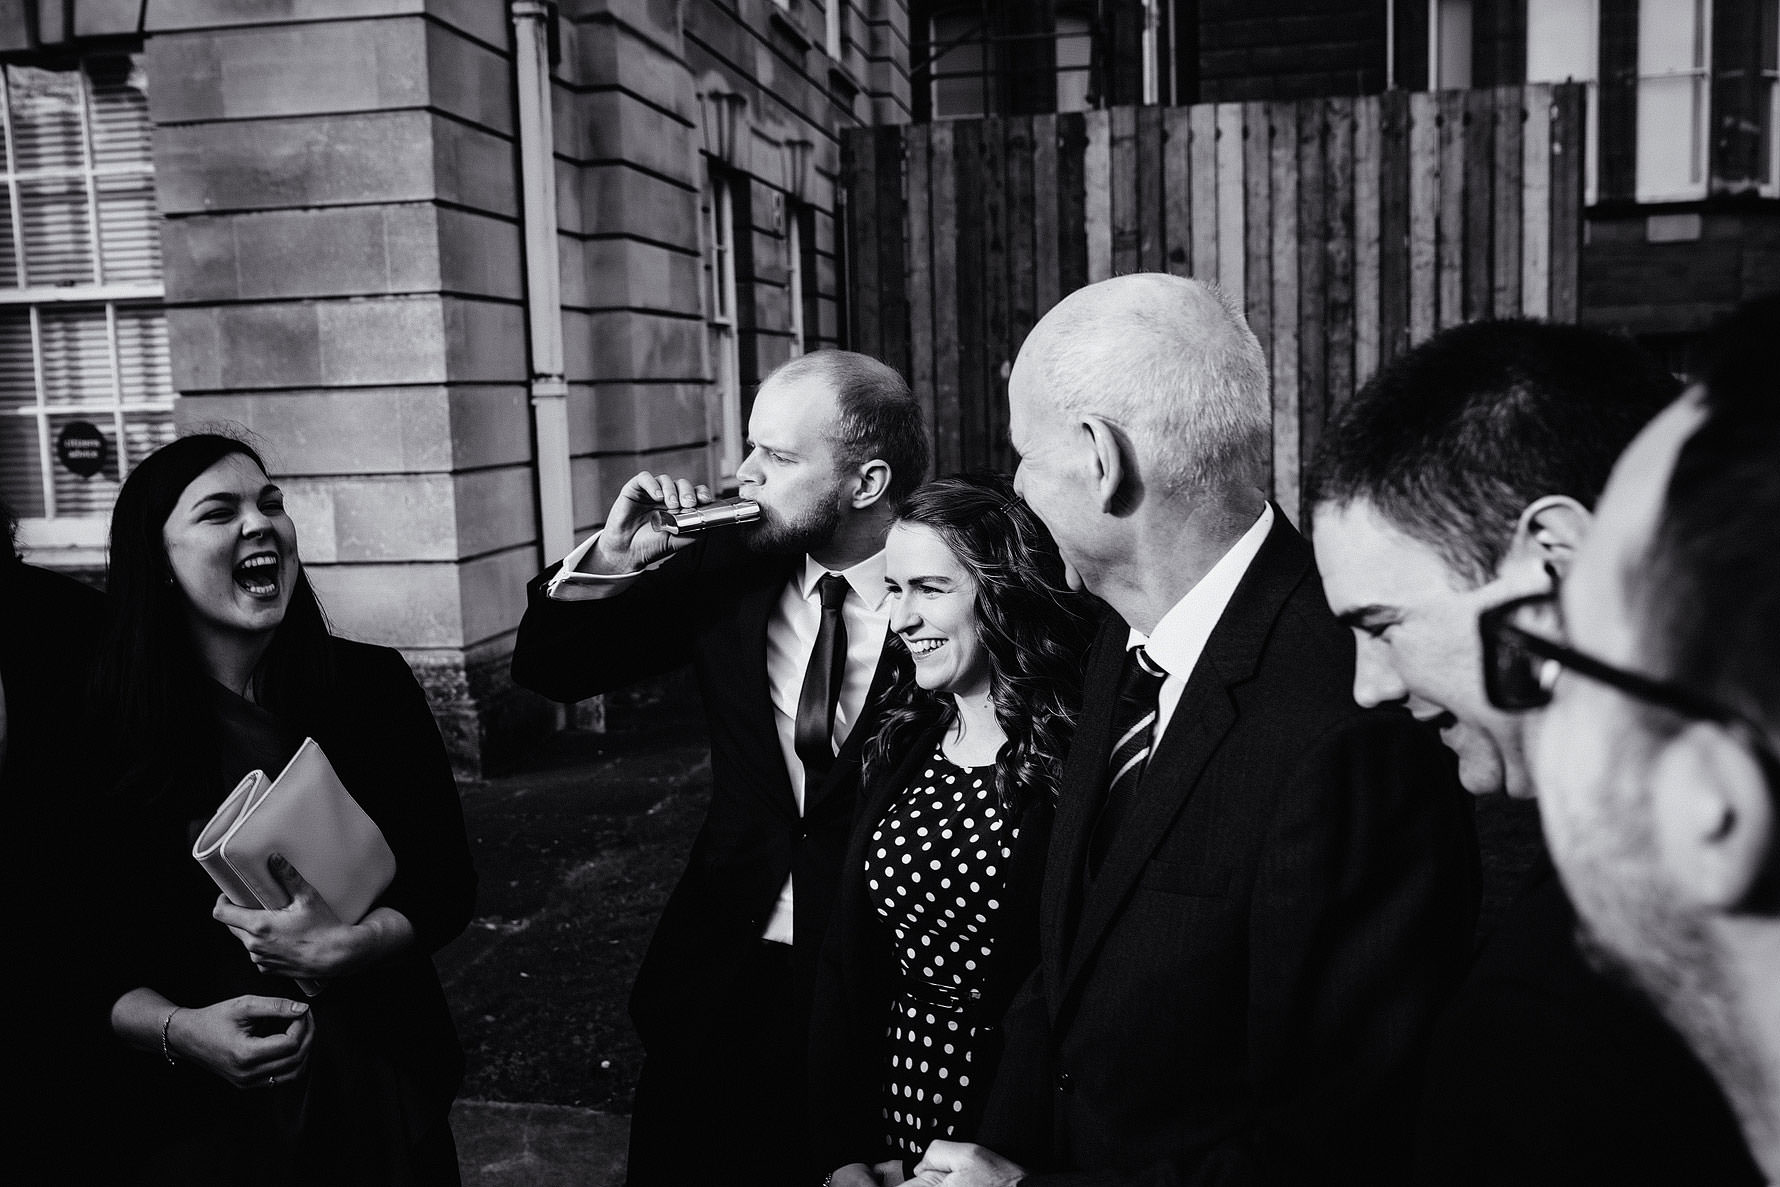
(936,923)
(219,662)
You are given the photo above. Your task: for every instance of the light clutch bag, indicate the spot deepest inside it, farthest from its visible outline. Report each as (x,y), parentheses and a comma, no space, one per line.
(307,815)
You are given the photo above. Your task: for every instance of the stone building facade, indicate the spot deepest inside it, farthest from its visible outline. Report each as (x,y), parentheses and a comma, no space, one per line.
(462,266)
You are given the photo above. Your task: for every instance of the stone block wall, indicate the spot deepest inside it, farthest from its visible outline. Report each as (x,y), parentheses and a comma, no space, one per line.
(345,279)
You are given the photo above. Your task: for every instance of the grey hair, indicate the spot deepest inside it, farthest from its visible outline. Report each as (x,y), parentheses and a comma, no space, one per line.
(1172,362)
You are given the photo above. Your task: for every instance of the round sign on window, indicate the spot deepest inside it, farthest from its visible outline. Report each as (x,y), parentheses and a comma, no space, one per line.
(81,447)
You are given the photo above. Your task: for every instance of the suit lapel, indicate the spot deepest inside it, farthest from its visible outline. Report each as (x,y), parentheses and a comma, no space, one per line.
(1083,783)
(753,608)
(846,760)
(1203,717)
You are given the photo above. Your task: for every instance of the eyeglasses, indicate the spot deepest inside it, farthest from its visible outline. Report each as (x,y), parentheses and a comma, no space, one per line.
(1520,667)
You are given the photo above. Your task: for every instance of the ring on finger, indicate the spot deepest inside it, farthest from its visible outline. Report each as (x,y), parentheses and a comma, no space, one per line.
(271,1081)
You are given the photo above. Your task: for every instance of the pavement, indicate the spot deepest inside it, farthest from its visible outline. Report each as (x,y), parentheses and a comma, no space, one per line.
(576,853)
(501,1144)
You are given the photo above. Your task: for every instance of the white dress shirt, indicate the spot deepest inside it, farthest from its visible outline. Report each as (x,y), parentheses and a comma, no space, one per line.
(1181,635)
(790,634)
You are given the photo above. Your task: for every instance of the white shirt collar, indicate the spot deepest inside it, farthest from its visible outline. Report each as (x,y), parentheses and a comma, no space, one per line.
(1180,636)
(866,578)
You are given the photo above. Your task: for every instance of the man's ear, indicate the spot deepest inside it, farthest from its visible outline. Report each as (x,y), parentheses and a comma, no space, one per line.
(1549,532)
(1110,465)
(1714,817)
(870,482)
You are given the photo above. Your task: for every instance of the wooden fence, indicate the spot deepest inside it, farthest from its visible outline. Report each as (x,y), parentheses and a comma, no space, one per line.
(1351,228)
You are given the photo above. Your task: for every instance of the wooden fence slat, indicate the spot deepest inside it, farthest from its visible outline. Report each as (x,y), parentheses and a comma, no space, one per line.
(995,290)
(1097,171)
(1257,191)
(1150,168)
(948,444)
(1231,261)
(1177,182)
(1480,160)
(1393,226)
(1566,198)
(1204,149)
(1451,262)
(1123,186)
(1505,224)
(858,161)
(1047,279)
(1283,122)
(1312,294)
(893,308)
(972,302)
(1021,284)
(1535,199)
(920,204)
(1368,125)
(1072,201)
(1424,215)
(1338,280)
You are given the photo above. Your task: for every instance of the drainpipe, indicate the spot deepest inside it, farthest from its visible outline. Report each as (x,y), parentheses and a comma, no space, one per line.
(543,283)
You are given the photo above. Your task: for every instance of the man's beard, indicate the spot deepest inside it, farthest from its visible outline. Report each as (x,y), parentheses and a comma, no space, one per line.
(776,535)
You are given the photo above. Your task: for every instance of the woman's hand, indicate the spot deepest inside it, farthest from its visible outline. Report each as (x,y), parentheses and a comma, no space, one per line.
(305,938)
(252,1042)
(856,1174)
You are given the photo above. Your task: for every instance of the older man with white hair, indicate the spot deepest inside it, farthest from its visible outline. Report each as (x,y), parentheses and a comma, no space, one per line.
(1257,892)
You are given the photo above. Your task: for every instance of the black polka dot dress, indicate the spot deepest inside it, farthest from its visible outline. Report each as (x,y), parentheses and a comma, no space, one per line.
(936,869)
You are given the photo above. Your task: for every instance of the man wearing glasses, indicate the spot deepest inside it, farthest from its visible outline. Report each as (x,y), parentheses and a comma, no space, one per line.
(1461,475)
(1659,666)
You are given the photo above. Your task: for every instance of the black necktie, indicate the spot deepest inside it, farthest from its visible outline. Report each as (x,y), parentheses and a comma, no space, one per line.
(822,684)
(1134,725)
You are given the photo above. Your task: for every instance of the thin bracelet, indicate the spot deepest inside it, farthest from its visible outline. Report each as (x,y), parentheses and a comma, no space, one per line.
(166,1049)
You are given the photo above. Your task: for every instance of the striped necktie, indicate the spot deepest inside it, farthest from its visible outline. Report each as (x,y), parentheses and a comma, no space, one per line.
(1135,726)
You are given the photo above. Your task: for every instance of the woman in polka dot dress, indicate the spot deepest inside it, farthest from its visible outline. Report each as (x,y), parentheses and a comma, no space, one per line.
(936,924)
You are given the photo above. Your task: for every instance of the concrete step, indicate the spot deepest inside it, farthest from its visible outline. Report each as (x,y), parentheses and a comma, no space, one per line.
(519,1145)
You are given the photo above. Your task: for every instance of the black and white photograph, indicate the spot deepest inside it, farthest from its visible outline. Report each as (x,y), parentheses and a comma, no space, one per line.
(849,593)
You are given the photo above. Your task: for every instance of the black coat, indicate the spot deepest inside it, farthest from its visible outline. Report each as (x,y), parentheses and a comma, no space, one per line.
(385,1045)
(62,1057)
(856,982)
(1545,1074)
(708,605)
(1245,992)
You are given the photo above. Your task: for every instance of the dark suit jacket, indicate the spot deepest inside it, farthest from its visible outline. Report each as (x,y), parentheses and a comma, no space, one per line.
(708,606)
(856,982)
(1545,1074)
(1244,993)
(50,627)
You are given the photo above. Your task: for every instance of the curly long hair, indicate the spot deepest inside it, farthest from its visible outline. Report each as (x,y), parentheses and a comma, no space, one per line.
(1034,628)
(148,681)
